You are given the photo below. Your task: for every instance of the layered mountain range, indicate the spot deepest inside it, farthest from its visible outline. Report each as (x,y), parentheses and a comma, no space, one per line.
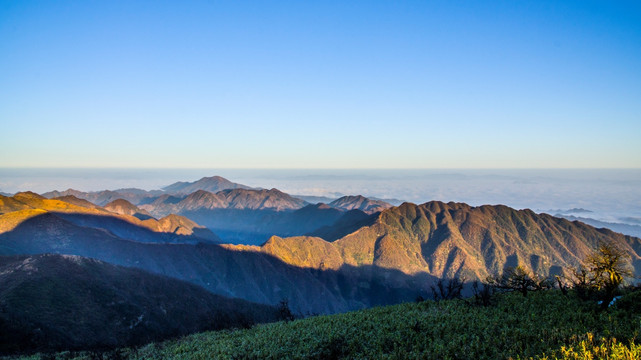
(235,212)
(323,258)
(395,246)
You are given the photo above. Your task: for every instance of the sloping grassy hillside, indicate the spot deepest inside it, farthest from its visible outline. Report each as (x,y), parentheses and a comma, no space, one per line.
(543,325)
(54,302)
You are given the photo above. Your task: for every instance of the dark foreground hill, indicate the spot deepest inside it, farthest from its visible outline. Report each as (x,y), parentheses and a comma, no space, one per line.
(54,302)
(544,325)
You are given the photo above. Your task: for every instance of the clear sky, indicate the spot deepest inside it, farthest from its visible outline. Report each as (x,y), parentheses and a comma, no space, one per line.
(320,84)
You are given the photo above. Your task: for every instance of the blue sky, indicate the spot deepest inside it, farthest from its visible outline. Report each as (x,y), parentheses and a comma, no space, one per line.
(424,84)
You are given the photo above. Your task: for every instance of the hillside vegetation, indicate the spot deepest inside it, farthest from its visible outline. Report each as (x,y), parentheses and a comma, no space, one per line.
(545,325)
(53,302)
(448,240)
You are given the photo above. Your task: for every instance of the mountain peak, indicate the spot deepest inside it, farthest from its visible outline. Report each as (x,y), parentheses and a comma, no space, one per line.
(28,194)
(359,202)
(253,199)
(71,199)
(120,202)
(124,207)
(211,184)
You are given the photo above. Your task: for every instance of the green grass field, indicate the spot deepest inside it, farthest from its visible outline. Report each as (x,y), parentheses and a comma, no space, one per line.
(544,325)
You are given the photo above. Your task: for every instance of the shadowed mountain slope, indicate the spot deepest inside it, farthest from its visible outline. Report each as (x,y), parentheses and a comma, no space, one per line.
(254,227)
(236,272)
(346,224)
(210,184)
(246,216)
(55,302)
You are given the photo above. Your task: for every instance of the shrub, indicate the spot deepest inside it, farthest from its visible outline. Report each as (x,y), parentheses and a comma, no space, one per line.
(447,289)
(482,294)
(519,279)
(284,312)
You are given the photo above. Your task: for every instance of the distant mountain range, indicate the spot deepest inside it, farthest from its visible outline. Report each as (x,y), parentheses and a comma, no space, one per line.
(235,212)
(236,199)
(628,229)
(401,250)
(104,197)
(568,211)
(55,302)
(351,253)
(251,216)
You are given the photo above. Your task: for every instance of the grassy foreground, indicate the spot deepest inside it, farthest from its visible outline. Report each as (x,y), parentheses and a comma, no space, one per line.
(545,325)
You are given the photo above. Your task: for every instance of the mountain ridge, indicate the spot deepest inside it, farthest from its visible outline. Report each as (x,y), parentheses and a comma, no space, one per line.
(359,202)
(210,184)
(455,239)
(23,206)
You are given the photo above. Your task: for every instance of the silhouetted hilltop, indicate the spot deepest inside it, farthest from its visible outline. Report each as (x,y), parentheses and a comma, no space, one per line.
(54,302)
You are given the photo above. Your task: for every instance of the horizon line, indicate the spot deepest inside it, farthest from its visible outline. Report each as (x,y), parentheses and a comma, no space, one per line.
(305,168)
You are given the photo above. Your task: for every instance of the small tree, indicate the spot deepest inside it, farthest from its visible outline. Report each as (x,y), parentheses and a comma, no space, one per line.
(603,273)
(583,283)
(447,289)
(482,293)
(284,312)
(519,279)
